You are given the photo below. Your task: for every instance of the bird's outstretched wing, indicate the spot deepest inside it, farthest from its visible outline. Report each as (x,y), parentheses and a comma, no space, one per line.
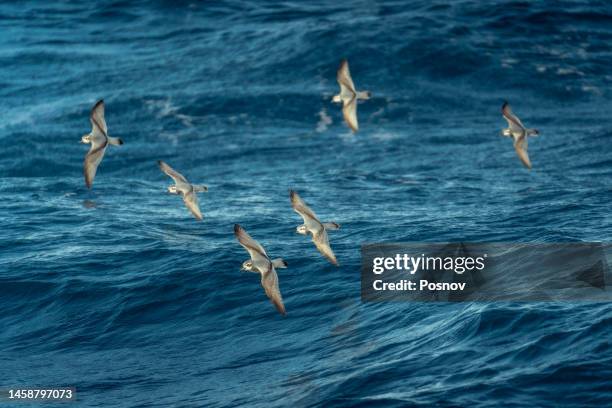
(93,159)
(176,176)
(256,251)
(96,117)
(269,281)
(310,218)
(344,78)
(321,241)
(515,124)
(349,111)
(191,201)
(520,145)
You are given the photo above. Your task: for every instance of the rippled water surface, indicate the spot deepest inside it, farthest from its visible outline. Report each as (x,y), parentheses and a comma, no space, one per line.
(119,292)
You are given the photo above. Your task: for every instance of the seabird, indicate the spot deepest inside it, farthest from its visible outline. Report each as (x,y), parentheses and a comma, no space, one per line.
(349,95)
(99,140)
(314,227)
(260,263)
(184,188)
(518,132)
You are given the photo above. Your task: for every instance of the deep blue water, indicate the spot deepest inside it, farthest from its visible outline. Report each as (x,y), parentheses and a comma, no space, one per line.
(119,292)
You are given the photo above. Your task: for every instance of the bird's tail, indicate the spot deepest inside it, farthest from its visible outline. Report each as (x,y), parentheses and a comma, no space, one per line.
(115,141)
(330,226)
(533,132)
(198,188)
(279,263)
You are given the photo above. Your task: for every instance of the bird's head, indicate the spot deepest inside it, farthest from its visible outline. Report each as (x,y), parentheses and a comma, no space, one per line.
(172,190)
(337,99)
(247,266)
(86,139)
(301,229)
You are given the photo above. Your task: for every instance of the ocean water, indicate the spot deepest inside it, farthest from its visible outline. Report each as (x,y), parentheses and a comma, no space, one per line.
(121,293)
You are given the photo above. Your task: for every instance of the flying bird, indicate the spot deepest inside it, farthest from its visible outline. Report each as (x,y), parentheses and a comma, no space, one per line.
(184,188)
(518,132)
(99,139)
(261,263)
(314,227)
(349,96)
